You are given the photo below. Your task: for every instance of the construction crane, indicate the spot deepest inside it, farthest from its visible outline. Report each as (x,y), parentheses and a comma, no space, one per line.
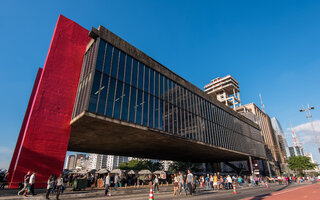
(309,117)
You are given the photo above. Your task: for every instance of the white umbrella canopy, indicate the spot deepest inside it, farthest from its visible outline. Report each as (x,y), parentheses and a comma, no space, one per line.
(145,171)
(102,171)
(116,171)
(132,172)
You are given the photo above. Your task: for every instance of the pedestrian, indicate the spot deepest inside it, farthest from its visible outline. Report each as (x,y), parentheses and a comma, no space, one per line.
(190,181)
(25,183)
(175,184)
(156,184)
(32,181)
(211,182)
(185,186)
(208,182)
(229,180)
(218,180)
(240,179)
(181,182)
(107,184)
(59,186)
(221,186)
(49,186)
(116,182)
(215,182)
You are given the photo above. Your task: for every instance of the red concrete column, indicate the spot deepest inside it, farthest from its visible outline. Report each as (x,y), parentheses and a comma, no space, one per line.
(44,136)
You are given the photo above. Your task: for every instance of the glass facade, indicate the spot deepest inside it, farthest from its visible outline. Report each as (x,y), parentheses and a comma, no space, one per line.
(126,89)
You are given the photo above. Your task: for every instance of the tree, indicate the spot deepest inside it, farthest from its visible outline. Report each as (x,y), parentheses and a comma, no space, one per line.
(140,165)
(184,166)
(300,163)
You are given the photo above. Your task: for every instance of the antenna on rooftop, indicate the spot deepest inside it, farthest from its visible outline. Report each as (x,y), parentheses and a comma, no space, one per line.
(262,106)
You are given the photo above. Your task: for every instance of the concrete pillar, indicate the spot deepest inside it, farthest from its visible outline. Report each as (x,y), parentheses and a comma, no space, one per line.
(269,169)
(250,165)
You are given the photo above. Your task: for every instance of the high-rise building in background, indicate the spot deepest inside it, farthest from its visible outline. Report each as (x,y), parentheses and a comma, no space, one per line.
(79,160)
(70,162)
(97,161)
(273,150)
(225,90)
(113,162)
(282,141)
(296,151)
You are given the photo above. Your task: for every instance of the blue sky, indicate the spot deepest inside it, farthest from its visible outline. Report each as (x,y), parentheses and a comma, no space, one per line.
(270,47)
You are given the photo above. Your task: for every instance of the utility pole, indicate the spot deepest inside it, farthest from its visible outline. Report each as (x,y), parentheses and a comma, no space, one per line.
(309,117)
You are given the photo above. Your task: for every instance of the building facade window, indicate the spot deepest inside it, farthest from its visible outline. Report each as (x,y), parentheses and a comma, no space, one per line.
(117,85)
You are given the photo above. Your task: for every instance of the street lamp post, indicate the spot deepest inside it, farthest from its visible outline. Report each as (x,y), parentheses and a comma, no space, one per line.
(309,117)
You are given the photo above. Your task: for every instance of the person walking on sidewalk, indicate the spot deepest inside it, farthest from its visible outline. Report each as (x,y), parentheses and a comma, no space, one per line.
(190,181)
(59,186)
(49,186)
(107,184)
(156,184)
(116,182)
(25,183)
(32,181)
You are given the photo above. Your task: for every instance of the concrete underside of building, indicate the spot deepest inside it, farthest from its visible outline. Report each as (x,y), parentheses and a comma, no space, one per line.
(99,134)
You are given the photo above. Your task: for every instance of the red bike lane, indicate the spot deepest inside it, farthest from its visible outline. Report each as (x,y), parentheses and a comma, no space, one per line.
(298,193)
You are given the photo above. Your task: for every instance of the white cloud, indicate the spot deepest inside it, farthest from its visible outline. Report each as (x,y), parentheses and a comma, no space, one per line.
(305,133)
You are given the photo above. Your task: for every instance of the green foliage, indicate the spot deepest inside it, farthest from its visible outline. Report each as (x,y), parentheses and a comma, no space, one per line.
(140,165)
(300,163)
(184,166)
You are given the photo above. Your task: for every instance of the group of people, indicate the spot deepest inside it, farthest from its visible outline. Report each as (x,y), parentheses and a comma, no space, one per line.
(217,181)
(107,183)
(184,181)
(28,184)
(55,185)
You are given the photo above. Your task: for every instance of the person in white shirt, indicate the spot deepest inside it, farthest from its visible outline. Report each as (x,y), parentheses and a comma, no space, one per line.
(229,180)
(32,181)
(59,185)
(107,184)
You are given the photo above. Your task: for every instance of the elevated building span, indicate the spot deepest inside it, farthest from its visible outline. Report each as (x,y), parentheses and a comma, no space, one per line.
(129,104)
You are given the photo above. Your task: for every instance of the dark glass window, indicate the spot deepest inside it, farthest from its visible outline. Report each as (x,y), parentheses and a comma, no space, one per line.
(161,114)
(114,68)
(151,82)
(128,70)
(103,94)
(107,63)
(132,105)
(140,78)
(134,73)
(161,86)
(121,66)
(100,57)
(95,92)
(139,107)
(125,103)
(151,111)
(146,79)
(118,100)
(156,84)
(111,97)
(156,112)
(145,109)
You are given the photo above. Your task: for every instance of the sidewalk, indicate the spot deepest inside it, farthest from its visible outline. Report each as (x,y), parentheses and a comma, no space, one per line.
(121,192)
